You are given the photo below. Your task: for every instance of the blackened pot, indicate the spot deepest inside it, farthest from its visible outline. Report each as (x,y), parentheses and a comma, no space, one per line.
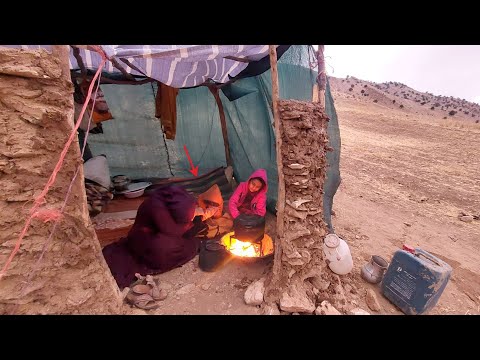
(249,228)
(213,255)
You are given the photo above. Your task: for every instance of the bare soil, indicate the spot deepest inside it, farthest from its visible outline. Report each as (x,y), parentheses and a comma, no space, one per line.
(406,177)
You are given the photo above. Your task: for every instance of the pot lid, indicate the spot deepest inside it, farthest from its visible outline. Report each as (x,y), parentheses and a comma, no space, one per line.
(331,241)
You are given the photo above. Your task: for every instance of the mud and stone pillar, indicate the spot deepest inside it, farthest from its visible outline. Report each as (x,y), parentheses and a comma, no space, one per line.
(36,119)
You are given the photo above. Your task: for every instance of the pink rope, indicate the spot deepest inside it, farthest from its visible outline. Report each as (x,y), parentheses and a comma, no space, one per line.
(48,215)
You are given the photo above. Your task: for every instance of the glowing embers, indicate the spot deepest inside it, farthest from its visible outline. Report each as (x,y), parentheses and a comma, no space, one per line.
(248,249)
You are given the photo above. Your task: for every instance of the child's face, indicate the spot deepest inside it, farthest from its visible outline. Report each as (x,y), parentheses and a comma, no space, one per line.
(254,185)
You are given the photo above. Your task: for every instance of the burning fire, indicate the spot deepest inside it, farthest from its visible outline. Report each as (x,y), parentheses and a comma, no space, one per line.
(247,249)
(243,248)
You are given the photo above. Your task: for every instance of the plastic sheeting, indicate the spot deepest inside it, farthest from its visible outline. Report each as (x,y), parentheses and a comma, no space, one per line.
(333,179)
(134,143)
(178,66)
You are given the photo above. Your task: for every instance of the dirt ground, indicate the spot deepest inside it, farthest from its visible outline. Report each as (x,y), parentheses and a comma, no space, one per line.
(405,179)
(192,291)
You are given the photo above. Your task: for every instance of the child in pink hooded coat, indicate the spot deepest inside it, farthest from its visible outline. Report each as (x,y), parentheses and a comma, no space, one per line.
(250,197)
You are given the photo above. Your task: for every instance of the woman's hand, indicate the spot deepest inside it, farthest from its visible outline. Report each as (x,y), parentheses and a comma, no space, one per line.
(209,212)
(198,212)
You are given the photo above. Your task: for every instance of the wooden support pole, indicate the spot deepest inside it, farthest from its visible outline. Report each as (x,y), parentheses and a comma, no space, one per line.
(125,61)
(105,80)
(281,181)
(322,77)
(122,70)
(223,123)
(76,53)
(237,59)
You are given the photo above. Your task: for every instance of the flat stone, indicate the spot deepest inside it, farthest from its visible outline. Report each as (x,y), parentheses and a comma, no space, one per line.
(466,218)
(254,293)
(372,301)
(271,309)
(295,300)
(358,311)
(326,308)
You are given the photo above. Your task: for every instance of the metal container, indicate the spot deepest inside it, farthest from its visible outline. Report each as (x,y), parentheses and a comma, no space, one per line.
(213,255)
(374,270)
(249,228)
(120,182)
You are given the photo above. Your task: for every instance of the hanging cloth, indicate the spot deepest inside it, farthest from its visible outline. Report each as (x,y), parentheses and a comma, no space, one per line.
(166,109)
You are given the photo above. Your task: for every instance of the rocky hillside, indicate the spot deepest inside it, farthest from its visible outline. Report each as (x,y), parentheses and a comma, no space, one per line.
(395,94)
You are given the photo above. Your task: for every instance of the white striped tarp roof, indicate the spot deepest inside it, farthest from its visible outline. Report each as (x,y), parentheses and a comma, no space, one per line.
(175,65)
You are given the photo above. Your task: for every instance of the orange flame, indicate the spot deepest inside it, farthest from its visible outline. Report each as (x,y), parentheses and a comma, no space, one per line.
(245,248)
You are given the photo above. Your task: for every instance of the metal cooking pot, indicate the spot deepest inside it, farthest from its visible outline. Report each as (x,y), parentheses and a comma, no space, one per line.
(374,270)
(121,182)
(249,228)
(212,255)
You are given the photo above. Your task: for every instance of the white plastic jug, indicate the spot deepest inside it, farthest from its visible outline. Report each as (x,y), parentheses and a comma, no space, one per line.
(338,254)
